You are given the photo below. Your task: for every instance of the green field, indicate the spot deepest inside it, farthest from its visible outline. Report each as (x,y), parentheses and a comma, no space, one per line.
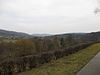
(68,65)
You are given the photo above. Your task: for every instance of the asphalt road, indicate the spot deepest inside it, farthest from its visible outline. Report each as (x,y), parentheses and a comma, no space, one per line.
(92,68)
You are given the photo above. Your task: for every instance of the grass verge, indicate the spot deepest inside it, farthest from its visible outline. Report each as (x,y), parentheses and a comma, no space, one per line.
(68,65)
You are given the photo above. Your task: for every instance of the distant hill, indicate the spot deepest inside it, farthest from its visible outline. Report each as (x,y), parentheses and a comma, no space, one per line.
(41,35)
(5,33)
(93,36)
(85,36)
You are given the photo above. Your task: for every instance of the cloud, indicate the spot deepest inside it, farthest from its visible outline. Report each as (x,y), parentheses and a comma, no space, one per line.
(53,16)
(47,7)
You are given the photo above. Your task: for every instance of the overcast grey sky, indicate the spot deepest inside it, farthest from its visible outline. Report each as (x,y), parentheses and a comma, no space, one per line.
(49,16)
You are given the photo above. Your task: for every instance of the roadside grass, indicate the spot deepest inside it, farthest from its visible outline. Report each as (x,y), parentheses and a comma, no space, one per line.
(68,65)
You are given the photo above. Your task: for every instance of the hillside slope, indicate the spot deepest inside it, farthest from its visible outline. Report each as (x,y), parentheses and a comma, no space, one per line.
(5,33)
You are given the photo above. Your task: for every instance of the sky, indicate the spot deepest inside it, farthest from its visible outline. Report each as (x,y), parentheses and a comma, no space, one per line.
(49,16)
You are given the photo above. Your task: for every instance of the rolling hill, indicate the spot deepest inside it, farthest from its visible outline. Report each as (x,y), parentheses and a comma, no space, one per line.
(5,33)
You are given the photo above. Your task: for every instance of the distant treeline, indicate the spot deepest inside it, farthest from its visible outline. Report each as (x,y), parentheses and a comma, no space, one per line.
(23,47)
